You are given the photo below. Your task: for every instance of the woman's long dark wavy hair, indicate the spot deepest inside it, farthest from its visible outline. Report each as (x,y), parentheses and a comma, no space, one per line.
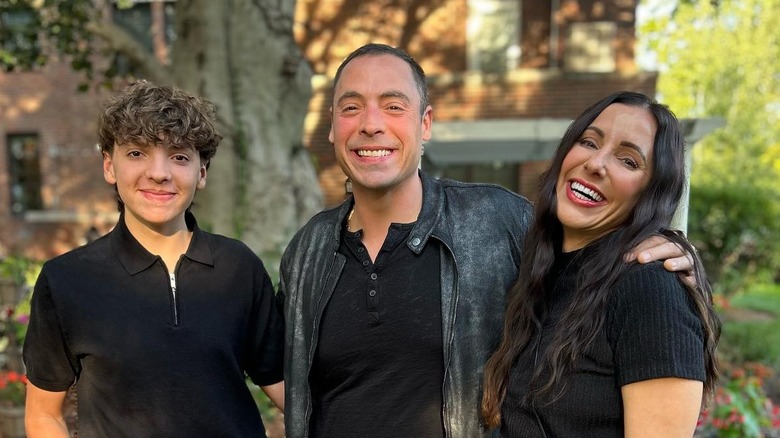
(583,320)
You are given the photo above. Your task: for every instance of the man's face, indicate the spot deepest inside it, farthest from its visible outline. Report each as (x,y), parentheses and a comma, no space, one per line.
(377,128)
(156,184)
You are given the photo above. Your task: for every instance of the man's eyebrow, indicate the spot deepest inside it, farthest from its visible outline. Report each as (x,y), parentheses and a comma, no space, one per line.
(351,94)
(396,94)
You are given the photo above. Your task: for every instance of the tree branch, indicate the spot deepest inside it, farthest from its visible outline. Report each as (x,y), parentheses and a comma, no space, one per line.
(120,41)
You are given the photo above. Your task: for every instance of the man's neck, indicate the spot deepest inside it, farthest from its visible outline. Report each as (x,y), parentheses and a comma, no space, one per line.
(374,211)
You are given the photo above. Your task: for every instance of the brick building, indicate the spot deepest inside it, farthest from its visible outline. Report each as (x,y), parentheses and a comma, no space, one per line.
(51,184)
(505,77)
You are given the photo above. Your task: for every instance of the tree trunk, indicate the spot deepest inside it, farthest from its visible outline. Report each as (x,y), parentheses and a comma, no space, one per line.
(241,55)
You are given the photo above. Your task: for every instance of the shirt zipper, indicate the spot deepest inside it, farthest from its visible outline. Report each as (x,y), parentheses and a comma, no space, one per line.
(172,277)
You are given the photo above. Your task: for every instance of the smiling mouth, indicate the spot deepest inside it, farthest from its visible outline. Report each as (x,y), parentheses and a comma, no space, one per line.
(373,153)
(584,193)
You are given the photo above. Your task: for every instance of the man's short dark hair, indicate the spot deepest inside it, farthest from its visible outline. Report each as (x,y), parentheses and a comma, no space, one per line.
(374,49)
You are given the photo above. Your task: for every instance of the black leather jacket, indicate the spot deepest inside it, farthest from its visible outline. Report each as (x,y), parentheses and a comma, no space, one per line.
(481,228)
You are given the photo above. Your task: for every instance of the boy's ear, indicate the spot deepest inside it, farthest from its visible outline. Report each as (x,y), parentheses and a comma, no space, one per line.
(108,169)
(202,176)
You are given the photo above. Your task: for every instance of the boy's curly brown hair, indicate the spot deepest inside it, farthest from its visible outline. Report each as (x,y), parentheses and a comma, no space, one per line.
(146,114)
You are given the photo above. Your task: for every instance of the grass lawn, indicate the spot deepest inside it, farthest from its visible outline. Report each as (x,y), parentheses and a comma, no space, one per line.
(751,327)
(764,297)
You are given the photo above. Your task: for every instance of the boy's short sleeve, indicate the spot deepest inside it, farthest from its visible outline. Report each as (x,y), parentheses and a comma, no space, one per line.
(266,340)
(50,365)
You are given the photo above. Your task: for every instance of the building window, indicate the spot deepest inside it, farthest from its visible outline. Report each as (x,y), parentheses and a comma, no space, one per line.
(24,173)
(590,47)
(503,174)
(493,31)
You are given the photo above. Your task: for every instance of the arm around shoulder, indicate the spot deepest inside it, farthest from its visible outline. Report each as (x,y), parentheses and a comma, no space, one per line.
(43,413)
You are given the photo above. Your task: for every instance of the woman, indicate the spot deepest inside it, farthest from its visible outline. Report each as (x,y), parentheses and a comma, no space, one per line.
(592,345)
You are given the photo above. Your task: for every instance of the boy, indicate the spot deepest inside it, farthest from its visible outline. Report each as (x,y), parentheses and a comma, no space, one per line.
(158,321)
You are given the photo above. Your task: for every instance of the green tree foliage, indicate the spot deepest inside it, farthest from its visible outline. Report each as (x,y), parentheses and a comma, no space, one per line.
(25,24)
(722,59)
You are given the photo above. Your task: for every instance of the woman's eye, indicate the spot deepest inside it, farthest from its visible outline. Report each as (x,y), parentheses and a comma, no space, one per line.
(630,162)
(588,144)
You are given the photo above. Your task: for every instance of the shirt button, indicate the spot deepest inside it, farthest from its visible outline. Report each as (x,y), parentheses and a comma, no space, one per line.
(360,250)
(372,293)
(416,241)
(374,276)
(365,262)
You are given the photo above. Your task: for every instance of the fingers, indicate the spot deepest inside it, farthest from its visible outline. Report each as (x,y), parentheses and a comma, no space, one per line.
(663,250)
(646,249)
(677,264)
(688,278)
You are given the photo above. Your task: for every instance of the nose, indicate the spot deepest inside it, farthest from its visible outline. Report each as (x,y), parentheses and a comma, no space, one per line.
(372,122)
(159,166)
(596,164)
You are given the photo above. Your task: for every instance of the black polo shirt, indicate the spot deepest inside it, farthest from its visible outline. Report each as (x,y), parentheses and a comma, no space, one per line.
(148,364)
(378,369)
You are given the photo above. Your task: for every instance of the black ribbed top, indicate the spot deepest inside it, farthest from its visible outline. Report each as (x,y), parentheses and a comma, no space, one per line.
(651,331)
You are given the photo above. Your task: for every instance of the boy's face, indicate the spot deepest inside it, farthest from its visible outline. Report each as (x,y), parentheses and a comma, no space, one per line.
(156,184)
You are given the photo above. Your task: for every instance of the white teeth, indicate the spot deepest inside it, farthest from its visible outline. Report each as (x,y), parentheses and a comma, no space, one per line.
(585,193)
(372,153)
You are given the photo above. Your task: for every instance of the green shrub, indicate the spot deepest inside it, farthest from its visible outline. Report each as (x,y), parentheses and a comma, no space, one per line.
(735,229)
(751,342)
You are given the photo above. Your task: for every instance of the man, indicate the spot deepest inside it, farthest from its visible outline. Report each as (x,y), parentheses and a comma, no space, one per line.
(158,321)
(395,299)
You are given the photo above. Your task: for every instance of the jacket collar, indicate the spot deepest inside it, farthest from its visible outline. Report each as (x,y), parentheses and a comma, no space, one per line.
(430,216)
(427,221)
(135,258)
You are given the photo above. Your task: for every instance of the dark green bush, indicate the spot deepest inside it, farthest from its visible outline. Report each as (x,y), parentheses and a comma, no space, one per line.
(737,232)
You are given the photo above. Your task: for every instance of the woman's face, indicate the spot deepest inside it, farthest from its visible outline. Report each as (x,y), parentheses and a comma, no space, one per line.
(604,173)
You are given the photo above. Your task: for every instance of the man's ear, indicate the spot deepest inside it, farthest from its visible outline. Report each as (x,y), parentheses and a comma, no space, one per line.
(427,121)
(108,168)
(330,133)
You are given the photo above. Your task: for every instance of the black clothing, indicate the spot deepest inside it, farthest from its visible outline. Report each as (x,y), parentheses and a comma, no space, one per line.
(149,363)
(651,331)
(379,357)
(479,229)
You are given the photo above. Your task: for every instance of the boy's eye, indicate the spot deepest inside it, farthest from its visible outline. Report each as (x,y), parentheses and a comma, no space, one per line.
(134,153)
